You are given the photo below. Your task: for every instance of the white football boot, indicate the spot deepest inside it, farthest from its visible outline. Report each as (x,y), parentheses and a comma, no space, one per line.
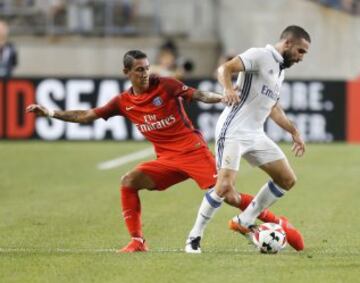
(192,245)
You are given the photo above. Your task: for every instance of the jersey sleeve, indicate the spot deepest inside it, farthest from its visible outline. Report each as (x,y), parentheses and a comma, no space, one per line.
(109,110)
(251,59)
(178,89)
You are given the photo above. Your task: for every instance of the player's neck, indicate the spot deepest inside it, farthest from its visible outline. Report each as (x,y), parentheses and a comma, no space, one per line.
(279,47)
(139,90)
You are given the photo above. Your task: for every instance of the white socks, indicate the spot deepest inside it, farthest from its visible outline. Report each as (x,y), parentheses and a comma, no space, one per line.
(268,195)
(209,205)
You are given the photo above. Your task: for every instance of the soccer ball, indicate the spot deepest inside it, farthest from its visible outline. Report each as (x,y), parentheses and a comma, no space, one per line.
(270,238)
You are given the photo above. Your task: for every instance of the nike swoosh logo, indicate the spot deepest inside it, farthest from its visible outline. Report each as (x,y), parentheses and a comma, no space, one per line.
(128,108)
(215,176)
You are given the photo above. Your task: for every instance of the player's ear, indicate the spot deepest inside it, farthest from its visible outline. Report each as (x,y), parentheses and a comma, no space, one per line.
(125,71)
(289,42)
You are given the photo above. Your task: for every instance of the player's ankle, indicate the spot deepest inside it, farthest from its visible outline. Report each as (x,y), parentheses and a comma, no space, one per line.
(139,239)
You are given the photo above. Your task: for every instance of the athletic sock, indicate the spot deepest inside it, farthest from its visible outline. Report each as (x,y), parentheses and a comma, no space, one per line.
(209,205)
(131,211)
(265,216)
(267,196)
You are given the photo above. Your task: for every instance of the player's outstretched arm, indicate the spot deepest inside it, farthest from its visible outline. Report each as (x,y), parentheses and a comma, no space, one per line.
(207,96)
(75,116)
(279,117)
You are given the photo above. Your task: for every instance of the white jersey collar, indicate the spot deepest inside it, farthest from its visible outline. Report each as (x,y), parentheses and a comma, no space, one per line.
(275,53)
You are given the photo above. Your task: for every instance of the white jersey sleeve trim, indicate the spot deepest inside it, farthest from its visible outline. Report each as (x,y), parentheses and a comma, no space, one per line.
(246,63)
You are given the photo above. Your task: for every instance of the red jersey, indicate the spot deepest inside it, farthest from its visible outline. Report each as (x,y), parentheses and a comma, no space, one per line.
(159,115)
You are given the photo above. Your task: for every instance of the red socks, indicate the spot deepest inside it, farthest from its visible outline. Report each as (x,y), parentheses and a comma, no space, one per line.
(265,216)
(131,210)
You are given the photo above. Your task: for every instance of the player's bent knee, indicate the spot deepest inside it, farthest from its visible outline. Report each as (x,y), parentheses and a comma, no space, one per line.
(137,180)
(224,188)
(128,180)
(288,183)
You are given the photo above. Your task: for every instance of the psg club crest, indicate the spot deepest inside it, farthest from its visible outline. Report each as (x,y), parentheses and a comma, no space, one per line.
(157,101)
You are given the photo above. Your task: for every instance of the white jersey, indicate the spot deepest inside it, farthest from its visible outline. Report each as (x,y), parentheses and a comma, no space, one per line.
(259,90)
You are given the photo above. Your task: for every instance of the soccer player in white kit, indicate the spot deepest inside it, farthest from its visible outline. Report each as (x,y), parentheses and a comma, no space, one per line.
(240,133)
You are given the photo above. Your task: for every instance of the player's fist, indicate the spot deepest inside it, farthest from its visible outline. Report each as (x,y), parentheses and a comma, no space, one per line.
(38,110)
(231,97)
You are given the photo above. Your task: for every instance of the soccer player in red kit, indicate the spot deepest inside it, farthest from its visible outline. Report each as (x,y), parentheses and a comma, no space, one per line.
(155,106)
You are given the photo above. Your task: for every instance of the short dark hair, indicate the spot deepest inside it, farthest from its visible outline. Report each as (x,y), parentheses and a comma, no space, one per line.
(295,32)
(130,56)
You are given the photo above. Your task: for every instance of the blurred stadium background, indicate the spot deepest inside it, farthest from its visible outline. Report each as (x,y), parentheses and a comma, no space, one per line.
(59,215)
(74,49)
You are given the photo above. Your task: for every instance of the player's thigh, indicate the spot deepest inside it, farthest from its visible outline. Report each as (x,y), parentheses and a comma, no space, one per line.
(162,173)
(281,173)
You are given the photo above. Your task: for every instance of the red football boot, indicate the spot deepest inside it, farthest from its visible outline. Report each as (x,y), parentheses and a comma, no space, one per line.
(293,236)
(237,227)
(248,232)
(135,245)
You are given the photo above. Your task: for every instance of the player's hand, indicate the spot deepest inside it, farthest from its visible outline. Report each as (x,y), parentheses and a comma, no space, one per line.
(38,110)
(231,97)
(299,145)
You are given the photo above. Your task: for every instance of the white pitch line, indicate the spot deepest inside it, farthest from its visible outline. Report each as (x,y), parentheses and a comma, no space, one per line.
(93,251)
(54,250)
(117,162)
(74,250)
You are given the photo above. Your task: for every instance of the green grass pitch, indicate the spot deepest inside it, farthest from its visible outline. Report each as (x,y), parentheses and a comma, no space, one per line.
(61,220)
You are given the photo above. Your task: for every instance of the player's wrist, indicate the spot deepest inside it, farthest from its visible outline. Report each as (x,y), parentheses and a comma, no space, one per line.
(229,91)
(293,129)
(51,113)
(296,135)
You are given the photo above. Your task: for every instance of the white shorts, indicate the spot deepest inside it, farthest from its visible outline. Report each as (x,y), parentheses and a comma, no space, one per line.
(257,151)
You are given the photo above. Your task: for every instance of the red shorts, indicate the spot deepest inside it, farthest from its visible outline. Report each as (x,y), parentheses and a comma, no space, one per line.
(166,171)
